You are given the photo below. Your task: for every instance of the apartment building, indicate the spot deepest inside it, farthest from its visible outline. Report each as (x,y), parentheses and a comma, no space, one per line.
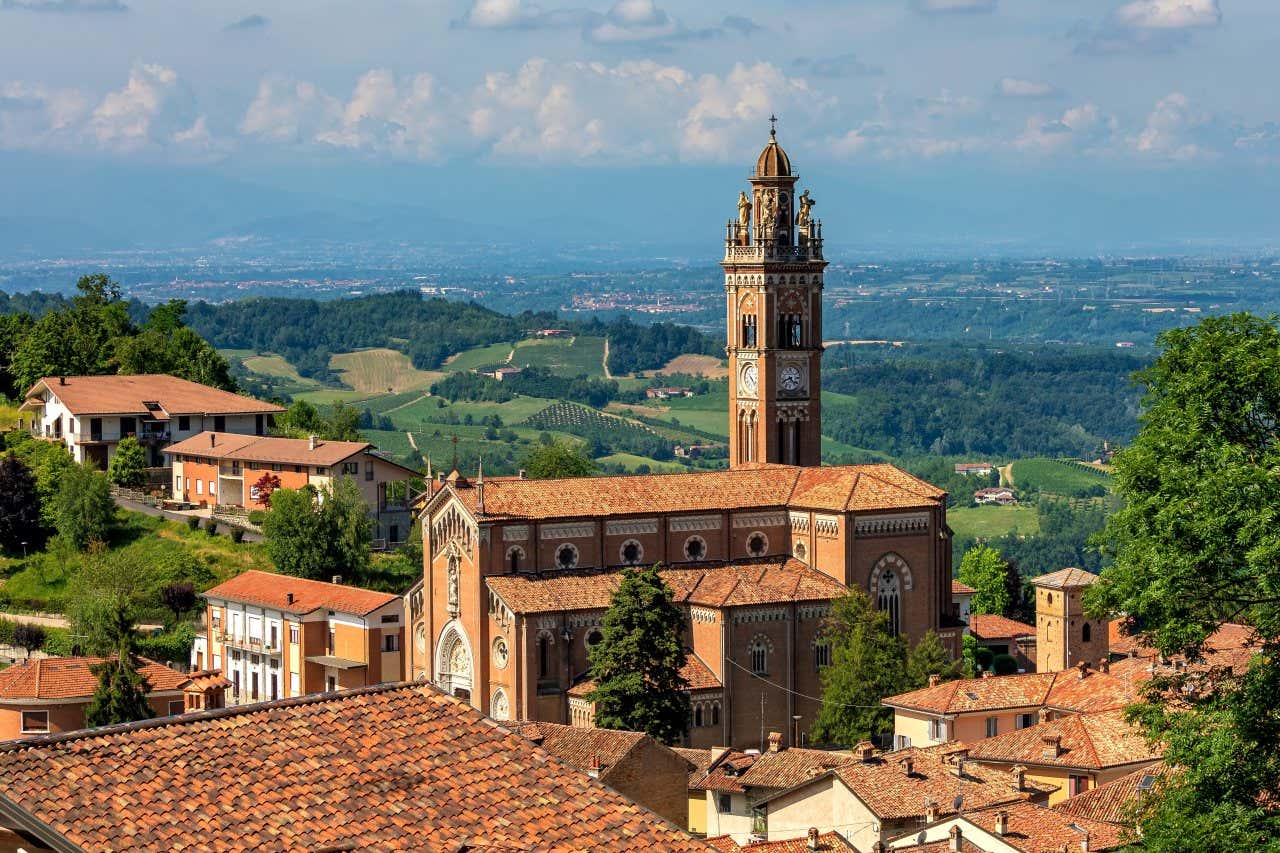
(217,468)
(90,414)
(276,636)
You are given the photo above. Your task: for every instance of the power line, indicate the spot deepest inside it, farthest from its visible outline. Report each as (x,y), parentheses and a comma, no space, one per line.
(804,695)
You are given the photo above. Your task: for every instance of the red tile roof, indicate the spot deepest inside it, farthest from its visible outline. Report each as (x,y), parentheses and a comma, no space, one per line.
(833,489)
(699,762)
(392,767)
(990,626)
(764,581)
(272,449)
(1115,801)
(726,773)
(969,695)
(884,785)
(71,678)
(828,842)
(273,590)
(787,768)
(1093,691)
(1029,828)
(1066,579)
(128,395)
(1095,741)
(579,747)
(958,588)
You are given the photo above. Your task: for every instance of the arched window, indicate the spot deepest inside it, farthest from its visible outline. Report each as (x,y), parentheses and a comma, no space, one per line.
(697,717)
(593,637)
(821,654)
(715,714)
(1086,633)
(544,655)
(515,556)
(758,654)
(889,598)
(567,556)
(801,551)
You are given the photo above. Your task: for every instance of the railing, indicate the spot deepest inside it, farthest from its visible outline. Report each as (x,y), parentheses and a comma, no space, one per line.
(253,644)
(774,252)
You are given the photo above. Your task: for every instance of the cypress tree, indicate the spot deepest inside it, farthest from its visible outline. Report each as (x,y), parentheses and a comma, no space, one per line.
(121,694)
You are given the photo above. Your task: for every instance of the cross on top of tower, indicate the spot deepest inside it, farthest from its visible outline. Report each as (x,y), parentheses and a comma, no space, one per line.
(773,125)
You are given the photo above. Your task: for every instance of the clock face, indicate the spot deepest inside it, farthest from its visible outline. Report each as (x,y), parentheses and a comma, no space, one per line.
(750,378)
(791,378)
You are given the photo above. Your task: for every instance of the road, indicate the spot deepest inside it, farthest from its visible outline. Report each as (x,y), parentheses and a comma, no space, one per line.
(607,374)
(181,517)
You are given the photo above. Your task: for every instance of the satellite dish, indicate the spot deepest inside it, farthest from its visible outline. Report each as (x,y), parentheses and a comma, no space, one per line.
(957,802)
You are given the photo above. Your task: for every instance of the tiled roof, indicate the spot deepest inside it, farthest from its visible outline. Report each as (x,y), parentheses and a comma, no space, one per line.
(128,395)
(1232,644)
(831,488)
(969,695)
(392,767)
(71,678)
(828,842)
(990,626)
(1029,828)
(787,768)
(1093,690)
(884,785)
(1095,741)
(578,746)
(726,774)
(699,762)
(273,590)
(1066,579)
(258,448)
(958,588)
(696,673)
(1115,801)
(764,581)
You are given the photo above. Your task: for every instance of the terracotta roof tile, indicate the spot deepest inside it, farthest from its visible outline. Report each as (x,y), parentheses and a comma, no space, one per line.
(958,588)
(393,767)
(1095,691)
(127,395)
(578,746)
(257,448)
(789,767)
(1115,801)
(990,626)
(1094,741)
(834,489)
(892,794)
(764,581)
(969,695)
(699,762)
(828,842)
(273,590)
(726,773)
(1029,828)
(1066,579)
(71,678)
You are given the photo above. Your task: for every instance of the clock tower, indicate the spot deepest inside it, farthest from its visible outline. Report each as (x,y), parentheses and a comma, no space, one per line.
(773,269)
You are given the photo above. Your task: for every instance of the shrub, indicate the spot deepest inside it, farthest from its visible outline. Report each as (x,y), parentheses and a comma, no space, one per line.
(257,516)
(984,657)
(237,535)
(1004,665)
(28,636)
(7,630)
(211,527)
(193,522)
(57,642)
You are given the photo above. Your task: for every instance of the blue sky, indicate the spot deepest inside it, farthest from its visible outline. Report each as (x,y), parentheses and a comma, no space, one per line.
(956,96)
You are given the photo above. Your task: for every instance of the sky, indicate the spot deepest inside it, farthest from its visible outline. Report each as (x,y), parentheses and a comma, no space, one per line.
(1088,124)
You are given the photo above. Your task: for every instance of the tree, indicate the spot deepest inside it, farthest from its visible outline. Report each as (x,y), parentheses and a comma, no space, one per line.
(983,569)
(1194,545)
(28,636)
(348,528)
(558,459)
(128,467)
(314,534)
(868,663)
(19,505)
(266,485)
(930,658)
(121,694)
(179,598)
(636,665)
(84,510)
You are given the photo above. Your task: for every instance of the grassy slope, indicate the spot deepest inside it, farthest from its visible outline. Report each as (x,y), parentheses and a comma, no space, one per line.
(631,462)
(479,357)
(990,522)
(564,356)
(380,371)
(1055,477)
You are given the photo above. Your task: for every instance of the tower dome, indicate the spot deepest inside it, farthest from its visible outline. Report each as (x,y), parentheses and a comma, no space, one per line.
(773,162)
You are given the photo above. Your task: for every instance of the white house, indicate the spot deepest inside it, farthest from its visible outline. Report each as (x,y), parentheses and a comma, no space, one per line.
(90,414)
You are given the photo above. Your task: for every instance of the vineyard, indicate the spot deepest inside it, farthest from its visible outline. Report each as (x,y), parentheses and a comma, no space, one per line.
(605,434)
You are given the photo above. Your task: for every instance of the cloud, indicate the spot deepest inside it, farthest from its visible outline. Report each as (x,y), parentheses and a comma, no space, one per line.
(1149,26)
(1168,14)
(843,65)
(251,22)
(631,21)
(152,107)
(34,117)
(948,7)
(518,15)
(1012,87)
(67,6)
(1175,130)
(1083,129)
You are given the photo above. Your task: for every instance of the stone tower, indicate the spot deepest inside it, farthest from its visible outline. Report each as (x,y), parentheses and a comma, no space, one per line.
(1065,636)
(773,270)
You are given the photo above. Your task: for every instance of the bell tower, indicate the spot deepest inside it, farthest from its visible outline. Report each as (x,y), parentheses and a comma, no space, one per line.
(773,269)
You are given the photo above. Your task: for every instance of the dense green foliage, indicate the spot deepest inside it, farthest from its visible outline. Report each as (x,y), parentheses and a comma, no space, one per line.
(83,508)
(314,535)
(94,334)
(557,459)
(868,663)
(19,505)
(605,434)
(930,658)
(542,382)
(1196,544)
(636,666)
(474,387)
(1064,539)
(997,583)
(950,400)
(128,467)
(301,420)
(633,347)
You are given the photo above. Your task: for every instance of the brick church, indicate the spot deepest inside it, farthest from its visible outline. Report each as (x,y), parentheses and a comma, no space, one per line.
(518,573)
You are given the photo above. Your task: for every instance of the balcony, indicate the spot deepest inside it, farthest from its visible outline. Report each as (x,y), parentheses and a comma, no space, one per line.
(772,252)
(252,644)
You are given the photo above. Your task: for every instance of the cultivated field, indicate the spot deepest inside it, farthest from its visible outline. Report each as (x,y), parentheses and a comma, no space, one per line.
(992,522)
(708,366)
(576,356)
(380,371)
(1059,477)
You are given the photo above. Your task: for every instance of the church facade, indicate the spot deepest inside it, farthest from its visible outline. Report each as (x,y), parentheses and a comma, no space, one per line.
(518,573)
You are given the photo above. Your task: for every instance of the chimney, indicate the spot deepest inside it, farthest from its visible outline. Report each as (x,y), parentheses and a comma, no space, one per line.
(1104,665)
(957,839)
(1084,843)
(866,751)
(1052,746)
(813,838)
(960,756)
(337,579)
(775,741)
(1083,668)
(879,847)
(594,771)
(986,673)
(932,812)
(1002,822)
(480,488)
(908,765)
(288,598)
(933,679)
(311,442)
(1019,774)
(1044,715)
(213,439)
(62,380)
(524,475)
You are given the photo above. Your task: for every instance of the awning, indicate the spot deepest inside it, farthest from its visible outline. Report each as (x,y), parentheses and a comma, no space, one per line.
(335,662)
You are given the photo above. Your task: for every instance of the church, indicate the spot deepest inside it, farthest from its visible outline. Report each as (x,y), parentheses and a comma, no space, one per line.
(518,573)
